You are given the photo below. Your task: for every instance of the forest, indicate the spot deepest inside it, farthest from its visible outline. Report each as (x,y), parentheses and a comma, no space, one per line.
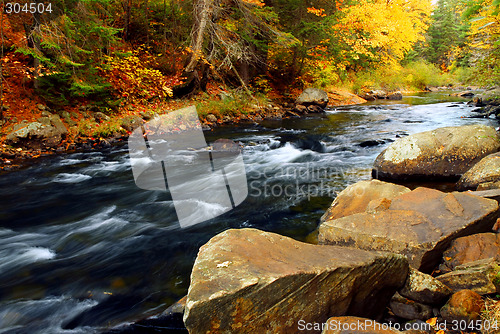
(113,53)
(103,66)
(92,237)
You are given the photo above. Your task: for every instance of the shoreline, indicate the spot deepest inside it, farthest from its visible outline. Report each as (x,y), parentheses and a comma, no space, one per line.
(17,157)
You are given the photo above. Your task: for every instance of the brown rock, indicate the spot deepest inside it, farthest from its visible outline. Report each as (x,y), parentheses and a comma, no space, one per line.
(356,325)
(371,195)
(300,109)
(211,118)
(488,186)
(480,276)
(395,96)
(409,309)
(471,248)
(485,171)
(463,305)
(130,123)
(313,96)
(250,281)
(464,94)
(443,152)
(419,224)
(339,97)
(424,288)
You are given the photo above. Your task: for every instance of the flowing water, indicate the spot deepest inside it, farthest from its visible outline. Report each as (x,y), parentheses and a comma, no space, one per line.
(83,249)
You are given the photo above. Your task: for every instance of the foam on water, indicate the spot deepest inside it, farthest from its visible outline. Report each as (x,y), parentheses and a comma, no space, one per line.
(51,312)
(71,178)
(19,255)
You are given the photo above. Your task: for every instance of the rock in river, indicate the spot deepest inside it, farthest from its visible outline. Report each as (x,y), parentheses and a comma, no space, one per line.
(313,96)
(443,152)
(250,281)
(419,224)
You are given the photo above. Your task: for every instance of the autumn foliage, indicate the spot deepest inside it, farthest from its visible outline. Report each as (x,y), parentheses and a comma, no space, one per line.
(134,77)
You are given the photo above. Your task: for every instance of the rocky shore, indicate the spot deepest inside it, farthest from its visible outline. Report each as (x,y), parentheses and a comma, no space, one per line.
(52,132)
(389,259)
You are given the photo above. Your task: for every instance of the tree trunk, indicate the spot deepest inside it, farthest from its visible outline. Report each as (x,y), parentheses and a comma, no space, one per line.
(33,41)
(126,33)
(196,71)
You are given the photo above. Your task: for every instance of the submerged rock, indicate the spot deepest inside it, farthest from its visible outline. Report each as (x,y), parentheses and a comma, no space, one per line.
(250,281)
(419,224)
(443,152)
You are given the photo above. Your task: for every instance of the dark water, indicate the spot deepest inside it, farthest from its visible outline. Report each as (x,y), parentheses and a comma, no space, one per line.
(83,249)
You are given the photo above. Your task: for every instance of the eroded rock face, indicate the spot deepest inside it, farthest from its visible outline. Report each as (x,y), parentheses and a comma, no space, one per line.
(313,96)
(479,276)
(250,281)
(424,288)
(486,170)
(471,248)
(419,224)
(443,152)
(362,196)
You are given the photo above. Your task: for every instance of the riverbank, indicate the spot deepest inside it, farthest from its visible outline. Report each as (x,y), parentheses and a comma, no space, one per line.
(419,261)
(82,229)
(24,137)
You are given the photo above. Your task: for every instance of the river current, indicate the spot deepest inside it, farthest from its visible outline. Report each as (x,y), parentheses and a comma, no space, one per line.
(83,249)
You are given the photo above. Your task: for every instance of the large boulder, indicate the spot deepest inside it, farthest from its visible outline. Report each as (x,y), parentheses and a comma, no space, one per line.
(46,133)
(362,196)
(471,248)
(444,152)
(250,281)
(419,224)
(313,96)
(485,171)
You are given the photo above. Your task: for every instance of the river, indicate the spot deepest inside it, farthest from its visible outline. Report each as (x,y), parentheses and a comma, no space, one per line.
(83,249)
